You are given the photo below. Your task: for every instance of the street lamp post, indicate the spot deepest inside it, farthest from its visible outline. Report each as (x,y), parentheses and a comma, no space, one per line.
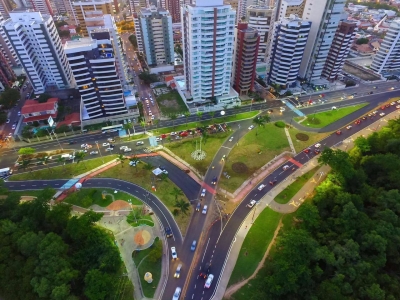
(57,140)
(98,148)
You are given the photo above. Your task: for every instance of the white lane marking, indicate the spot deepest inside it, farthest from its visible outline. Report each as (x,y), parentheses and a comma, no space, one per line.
(205,250)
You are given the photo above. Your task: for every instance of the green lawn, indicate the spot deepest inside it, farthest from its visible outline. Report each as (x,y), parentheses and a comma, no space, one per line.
(142,177)
(142,220)
(70,170)
(29,193)
(254,150)
(325,118)
(300,145)
(255,245)
(210,145)
(288,193)
(171,103)
(134,137)
(90,196)
(140,257)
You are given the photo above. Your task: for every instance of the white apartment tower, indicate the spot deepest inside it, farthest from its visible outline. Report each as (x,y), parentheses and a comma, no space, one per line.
(388,57)
(93,64)
(289,42)
(325,16)
(138,31)
(208,41)
(38,47)
(157,36)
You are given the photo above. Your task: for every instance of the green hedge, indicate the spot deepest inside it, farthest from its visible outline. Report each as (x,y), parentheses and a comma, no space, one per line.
(280,124)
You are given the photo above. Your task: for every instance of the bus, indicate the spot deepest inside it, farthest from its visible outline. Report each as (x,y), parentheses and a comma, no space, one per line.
(5,172)
(111,128)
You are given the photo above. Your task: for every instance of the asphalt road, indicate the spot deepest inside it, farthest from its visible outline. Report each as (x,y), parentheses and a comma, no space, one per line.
(218,244)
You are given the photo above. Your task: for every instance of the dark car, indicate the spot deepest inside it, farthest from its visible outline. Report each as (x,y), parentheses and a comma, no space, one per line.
(214,180)
(272,182)
(198,206)
(71,143)
(317,151)
(168,232)
(364,118)
(205,270)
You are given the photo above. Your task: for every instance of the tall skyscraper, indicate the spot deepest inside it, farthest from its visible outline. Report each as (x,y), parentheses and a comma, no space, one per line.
(324,16)
(245,58)
(388,57)
(174,8)
(208,31)
(6,48)
(285,8)
(6,6)
(344,37)
(156,30)
(138,31)
(289,41)
(38,47)
(62,7)
(86,8)
(7,75)
(42,6)
(93,64)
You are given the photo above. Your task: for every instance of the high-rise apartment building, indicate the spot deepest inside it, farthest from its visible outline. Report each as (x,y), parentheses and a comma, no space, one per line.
(245,58)
(289,42)
(174,8)
(325,16)
(85,8)
(234,4)
(344,37)
(387,59)
(208,43)
(93,64)
(42,6)
(138,31)
(157,36)
(290,7)
(61,7)
(6,49)
(38,47)
(260,18)
(7,75)
(6,6)
(107,23)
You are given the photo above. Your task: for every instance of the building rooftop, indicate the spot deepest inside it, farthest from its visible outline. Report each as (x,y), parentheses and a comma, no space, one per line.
(32,106)
(82,42)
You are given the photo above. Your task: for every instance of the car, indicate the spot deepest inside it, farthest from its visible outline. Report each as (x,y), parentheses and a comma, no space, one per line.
(205,270)
(139,143)
(272,182)
(364,118)
(13,126)
(127,150)
(198,206)
(392,103)
(8,121)
(173,133)
(397,106)
(383,107)
(193,247)
(84,145)
(348,127)
(106,144)
(109,149)
(152,117)
(370,115)
(317,145)
(339,132)
(260,188)
(317,151)
(223,157)
(357,122)
(387,105)
(178,271)
(285,167)
(168,232)
(270,111)
(398,101)
(307,150)
(19,113)
(173,253)
(133,163)
(94,152)
(204,211)
(392,88)
(177,293)
(111,140)
(251,127)
(71,142)
(375,112)
(230,139)
(203,193)
(382,114)
(158,139)
(84,151)
(251,203)
(371,92)
(209,281)
(123,147)
(214,180)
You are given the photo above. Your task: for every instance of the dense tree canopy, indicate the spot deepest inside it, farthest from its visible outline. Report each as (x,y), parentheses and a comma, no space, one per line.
(46,253)
(345,243)
(9,97)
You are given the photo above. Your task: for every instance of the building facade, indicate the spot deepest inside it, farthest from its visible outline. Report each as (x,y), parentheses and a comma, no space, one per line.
(33,111)
(387,59)
(38,47)
(245,58)
(289,43)
(207,50)
(6,48)
(93,64)
(174,8)
(290,7)
(138,32)
(344,37)
(157,36)
(6,6)
(43,6)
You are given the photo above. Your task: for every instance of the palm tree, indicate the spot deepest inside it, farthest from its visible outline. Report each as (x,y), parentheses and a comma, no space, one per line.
(199,114)
(225,108)
(25,164)
(182,205)
(79,156)
(143,124)
(187,115)
(258,121)
(128,127)
(267,118)
(121,158)
(60,160)
(135,160)
(212,113)
(176,193)
(148,167)
(173,117)
(236,108)
(44,160)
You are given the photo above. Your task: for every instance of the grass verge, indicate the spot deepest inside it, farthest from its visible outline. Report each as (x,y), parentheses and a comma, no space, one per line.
(143,177)
(255,244)
(28,193)
(288,193)
(325,118)
(300,145)
(63,172)
(211,145)
(144,265)
(142,220)
(90,196)
(171,103)
(255,149)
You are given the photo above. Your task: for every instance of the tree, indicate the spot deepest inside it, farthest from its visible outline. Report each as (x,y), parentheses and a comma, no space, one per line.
(121,158)
(148,78)
(79,156)
(212,114)
(178,50)
(236,108)
(148,167)
(156,254)
(143,124)
(182,205)
(173,117)
(156,122)
(43,98)
(266,118)
(199,115)
(3,118)
(135,160)
(26,151)
(133,40)
(98,285)
(25,163)
(361,41)
(9,97)
(128,126)
(44,160)
(187,115)
(61,160)
(258,122)
(176,193)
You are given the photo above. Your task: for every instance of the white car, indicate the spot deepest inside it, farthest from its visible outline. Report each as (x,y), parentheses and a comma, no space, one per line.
(285,167)
(127,149)
(106,144)
(19,113)
(84,145)
(123,147)
(8,121)
(382,114)
(393,103)
(203,193)
(209,281)
(173,253)
(158,139)
(317,145)
(111,140)
(230,139)
(251,127)
(177,293)
(13,127)
(204,211)
(133,163)
(173,133)
(260,188)
(94,152)
(109,149)
(178,271)
(152,117)
(251,203)
(139,143)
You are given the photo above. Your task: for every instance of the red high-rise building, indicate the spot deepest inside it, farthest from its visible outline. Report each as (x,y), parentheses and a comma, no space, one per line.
(173,6)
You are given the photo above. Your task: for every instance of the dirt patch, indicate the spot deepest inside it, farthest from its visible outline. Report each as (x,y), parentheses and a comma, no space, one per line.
(239,167)
(359,72)
(118,205)
(142,237)
(302,137)
(169,104)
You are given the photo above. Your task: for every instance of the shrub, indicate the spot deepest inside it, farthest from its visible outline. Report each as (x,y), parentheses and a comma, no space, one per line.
(280,124)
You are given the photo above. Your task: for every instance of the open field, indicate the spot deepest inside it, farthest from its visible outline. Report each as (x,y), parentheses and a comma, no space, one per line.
(300,145)
(171,103)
